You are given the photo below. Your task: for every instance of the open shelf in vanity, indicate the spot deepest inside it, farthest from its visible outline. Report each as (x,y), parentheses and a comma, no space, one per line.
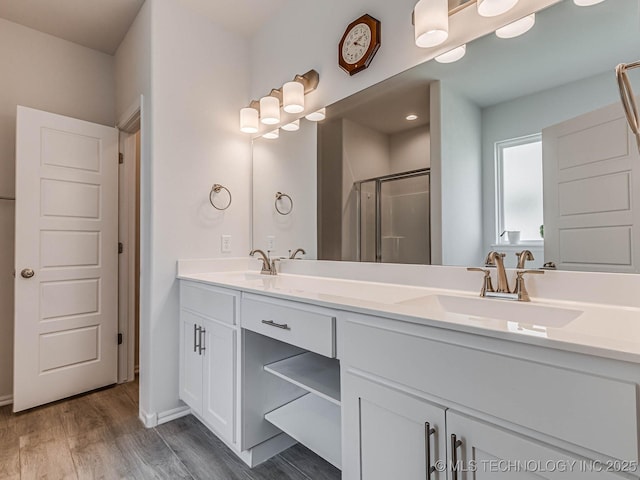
(315,418)
(291,378)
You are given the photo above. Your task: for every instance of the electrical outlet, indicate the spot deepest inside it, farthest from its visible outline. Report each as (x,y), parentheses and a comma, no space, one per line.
(271,242)
(225,246)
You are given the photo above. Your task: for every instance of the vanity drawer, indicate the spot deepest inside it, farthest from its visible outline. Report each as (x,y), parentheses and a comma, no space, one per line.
(590,411)
(303,326)
(208,301)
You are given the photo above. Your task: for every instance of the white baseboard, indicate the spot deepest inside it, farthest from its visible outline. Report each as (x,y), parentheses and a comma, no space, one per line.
(6,400)
(164,417)
(151,420)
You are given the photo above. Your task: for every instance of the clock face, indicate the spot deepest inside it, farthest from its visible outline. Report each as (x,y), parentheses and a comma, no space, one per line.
(359,44)
(356,43)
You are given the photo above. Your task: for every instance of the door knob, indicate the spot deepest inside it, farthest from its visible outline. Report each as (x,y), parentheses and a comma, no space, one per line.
(27,273)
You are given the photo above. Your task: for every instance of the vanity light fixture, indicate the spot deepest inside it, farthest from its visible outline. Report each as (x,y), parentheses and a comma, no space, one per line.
(493,8)
(517,28)
(292,127)
(431,19)
(587,3)
(290,96)
(249,120)
(269,110)
(272,135)
(412,117)
(452,55)
(293,97)
(318,115)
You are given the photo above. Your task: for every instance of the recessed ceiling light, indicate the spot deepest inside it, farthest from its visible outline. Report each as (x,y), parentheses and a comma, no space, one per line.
(517,28)
(452,55)
(412,117)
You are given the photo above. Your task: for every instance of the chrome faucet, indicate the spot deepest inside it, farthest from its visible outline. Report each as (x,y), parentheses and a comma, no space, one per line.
(497,259)
(268,265)
(292,256)
(519,292)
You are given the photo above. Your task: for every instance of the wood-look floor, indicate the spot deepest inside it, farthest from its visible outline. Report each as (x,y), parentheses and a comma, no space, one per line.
(99,436)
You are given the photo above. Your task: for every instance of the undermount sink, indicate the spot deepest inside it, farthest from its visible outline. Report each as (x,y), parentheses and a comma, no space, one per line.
(510,311)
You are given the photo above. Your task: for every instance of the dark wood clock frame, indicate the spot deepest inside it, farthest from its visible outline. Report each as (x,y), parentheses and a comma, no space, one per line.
(374,25)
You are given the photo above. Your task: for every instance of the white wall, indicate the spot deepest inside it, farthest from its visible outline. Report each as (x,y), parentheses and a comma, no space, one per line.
(288,165)
(47,73)
(456,163)
(529,115)
(199,80)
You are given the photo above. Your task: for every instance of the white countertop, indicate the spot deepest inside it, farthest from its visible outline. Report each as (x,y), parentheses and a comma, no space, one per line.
(596,329)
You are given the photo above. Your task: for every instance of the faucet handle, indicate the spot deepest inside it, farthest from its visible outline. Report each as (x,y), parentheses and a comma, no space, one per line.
(521,289)
(487,286)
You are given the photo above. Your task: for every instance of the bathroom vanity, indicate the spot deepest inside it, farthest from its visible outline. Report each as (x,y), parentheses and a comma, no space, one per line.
(409,381)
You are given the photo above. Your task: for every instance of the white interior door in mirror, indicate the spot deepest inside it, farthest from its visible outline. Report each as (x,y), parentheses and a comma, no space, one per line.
(591,170)
(287,164)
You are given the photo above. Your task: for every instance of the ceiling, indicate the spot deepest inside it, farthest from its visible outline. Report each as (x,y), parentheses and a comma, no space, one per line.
(102,24)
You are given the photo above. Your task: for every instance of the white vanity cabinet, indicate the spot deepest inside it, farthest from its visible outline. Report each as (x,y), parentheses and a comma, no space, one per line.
(397,377)
(208,336)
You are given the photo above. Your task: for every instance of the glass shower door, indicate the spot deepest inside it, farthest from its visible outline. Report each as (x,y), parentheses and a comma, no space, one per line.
(405,235)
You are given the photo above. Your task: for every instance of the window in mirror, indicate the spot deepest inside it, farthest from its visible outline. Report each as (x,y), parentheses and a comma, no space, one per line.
(519,188)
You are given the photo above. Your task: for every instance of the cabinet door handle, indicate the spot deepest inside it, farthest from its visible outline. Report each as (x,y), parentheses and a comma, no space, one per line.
(428,431)
(455,444)
(271,323)
(202,338)
(195,338)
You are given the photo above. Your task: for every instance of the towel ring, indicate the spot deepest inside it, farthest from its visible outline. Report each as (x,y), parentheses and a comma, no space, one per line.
(280,196)
(628,98)
(217,188)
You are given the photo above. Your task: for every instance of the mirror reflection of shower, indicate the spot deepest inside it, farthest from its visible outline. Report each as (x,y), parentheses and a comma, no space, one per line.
(393,218)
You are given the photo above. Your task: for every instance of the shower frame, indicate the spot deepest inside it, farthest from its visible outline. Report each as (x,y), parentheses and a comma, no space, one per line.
(378,206)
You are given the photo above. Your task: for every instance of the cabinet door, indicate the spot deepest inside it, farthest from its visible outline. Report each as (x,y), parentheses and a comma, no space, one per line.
(385,433)
(219,343)
(190,361)
(485,451)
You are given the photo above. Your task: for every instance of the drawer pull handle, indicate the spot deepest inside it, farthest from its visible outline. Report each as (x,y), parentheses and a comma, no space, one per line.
(271,323)
(428,431)
(455,444)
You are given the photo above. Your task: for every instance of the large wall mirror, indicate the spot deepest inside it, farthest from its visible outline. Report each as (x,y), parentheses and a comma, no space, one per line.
(521,144)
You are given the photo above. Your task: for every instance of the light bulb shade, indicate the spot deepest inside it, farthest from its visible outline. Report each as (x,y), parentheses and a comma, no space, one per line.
(269,110)
(517,28)
(452,55)
(293,97)
(249,120)
(587,3)
(318,115)
(431,19)
(493,8)
(292,127)
(272,135)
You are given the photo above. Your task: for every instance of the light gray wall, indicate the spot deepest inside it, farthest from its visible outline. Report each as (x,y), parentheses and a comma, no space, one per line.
(46,73)
(529,115)
(133,79)
(456,176)
(410,150)
(287,164)
(199,81)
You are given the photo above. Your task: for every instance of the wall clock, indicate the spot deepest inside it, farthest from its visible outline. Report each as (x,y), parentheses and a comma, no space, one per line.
(359,44)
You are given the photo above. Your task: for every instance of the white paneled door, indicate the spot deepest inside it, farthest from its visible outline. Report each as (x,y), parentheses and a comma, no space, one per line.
(66,302)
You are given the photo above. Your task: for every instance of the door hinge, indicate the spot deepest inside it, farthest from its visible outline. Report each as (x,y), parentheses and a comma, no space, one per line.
(119,339)
(120,158)
(120,247)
